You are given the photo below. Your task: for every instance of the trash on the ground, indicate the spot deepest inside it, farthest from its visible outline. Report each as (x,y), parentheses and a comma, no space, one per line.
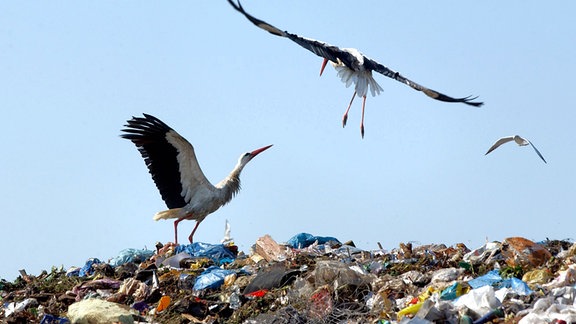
(94,310)
(523,252)
(310,279)
(16,307)
(50,319)
(275,277)
(537,277)
(163,304)
(220,253)
(227,239)
(303,240)
(270,250)
(88,267)
(212,278)
(131,255)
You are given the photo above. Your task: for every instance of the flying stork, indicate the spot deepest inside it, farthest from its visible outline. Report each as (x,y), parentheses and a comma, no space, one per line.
(352,67)
(519,140)
(171,161)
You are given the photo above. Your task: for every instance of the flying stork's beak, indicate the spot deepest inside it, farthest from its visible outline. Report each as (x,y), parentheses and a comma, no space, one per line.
(260,150)
(323,66)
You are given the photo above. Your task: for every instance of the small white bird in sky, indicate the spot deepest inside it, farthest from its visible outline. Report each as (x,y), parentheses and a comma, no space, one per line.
(519,140)
(352,67)
(171,161)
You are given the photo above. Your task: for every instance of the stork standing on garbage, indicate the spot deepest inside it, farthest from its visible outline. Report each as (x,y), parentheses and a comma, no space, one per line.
(171,161)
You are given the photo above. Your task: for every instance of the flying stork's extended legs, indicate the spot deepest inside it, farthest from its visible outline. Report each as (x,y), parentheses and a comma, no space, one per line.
(362,120)
(345,117)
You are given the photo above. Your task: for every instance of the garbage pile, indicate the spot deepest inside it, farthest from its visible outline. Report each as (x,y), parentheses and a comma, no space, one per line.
(309,279)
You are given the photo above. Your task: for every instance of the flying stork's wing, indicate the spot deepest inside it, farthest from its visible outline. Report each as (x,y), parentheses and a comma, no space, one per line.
(500,142)
(325,50)
(170,159)
(373,65)
(537,152)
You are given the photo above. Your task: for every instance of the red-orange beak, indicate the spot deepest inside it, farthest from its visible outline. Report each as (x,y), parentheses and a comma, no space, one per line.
(260,150)
(323,66)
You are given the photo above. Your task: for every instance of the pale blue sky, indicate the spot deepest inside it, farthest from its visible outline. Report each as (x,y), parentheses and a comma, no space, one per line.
(73,72)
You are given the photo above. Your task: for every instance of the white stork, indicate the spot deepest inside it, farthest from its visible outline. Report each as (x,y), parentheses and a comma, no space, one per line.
(352,67)
(171,161)
(519,140)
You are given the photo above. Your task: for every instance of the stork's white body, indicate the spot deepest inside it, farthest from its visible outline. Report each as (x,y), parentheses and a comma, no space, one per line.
(357,74)
(175,170)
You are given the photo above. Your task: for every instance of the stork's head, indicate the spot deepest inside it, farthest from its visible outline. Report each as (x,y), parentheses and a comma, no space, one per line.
(245,158)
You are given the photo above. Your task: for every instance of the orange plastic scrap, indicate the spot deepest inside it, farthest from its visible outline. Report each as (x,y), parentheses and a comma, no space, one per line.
(257,293)
(163,303)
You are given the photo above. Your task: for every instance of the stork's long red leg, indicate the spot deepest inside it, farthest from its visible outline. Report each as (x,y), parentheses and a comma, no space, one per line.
(176,229)
(194,230)
(362,120)
(345,117)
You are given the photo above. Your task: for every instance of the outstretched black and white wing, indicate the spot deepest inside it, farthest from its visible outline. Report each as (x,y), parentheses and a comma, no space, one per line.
(331,52)
(375,66)
(170,159)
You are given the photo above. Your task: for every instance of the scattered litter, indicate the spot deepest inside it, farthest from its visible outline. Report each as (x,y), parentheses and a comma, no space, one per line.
(275,277)
(220,253)
(212,278)
(95,310)
(309,279)
(303,240)
(131,255)
(163,304)
(88,268)
(270,250)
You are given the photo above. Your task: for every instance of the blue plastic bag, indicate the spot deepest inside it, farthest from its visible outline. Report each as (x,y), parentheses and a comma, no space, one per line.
(131,255)
(489,279)
(451,292)
(50,319)
(494,279)
(303,240)
(217,252)
(87,269)
(212,277)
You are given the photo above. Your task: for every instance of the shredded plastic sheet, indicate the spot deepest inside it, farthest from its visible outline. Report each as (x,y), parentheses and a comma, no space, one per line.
(303,240)
(212,278)
(217,252)
(131,255)
(88,269)
(494,279)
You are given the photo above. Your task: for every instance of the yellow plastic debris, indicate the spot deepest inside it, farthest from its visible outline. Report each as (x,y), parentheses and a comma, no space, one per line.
(537,277)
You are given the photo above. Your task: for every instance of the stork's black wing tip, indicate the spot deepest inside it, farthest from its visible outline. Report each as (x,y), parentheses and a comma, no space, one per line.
(138,128)
(237,5)
(259,23)
(468,101)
